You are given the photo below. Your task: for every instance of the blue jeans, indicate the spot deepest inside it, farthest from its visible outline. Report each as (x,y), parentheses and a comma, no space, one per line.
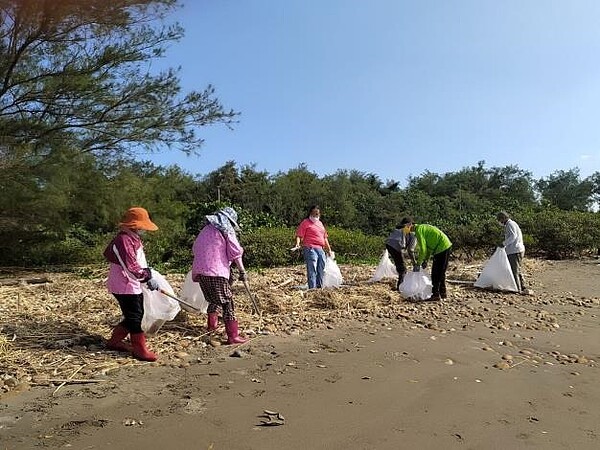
(315,266)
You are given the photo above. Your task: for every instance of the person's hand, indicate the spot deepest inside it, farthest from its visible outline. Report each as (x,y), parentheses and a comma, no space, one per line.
(243,276)
(424,265)
(293,249)
(152,284)
(417,268)
(501,245)
(331,254)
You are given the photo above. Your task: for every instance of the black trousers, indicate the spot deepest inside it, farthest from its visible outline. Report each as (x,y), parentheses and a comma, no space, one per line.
(398,259)
(132,307)
(438,272)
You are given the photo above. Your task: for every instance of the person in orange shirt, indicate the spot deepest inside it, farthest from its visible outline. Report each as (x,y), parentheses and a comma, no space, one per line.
(311,236)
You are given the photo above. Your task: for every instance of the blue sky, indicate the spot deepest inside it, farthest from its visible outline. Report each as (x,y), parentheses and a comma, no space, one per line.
(395,87)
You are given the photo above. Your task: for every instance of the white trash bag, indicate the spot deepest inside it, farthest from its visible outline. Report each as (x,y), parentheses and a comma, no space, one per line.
(496,273)
(416,286)
(385,269)
(158,308)
(332,277)
(192,294)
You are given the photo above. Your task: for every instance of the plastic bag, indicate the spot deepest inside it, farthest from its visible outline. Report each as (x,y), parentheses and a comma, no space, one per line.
(192,294)
(158,308)
(385,269)
(332,277)
(496,273)
(416,286)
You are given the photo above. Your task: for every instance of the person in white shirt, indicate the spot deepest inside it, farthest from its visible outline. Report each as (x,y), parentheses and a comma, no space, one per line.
(515,249)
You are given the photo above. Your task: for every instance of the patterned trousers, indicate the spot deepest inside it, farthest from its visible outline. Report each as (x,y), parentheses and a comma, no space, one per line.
(217,293)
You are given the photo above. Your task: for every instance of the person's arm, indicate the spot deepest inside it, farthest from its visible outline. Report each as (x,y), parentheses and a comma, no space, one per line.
(410,242)
(299,235)
(126,252)
(234,253)
(423,252)
(510,234)
(327,246)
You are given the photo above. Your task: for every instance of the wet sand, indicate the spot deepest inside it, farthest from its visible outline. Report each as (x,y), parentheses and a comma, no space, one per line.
(376,383)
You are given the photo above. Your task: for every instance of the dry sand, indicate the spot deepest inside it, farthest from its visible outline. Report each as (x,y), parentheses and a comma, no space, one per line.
(354,369)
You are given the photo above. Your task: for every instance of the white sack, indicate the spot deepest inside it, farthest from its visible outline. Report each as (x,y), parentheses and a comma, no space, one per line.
(332,277)
(385,269)
(192,294)
(158,308)
(416,286)
(496,273)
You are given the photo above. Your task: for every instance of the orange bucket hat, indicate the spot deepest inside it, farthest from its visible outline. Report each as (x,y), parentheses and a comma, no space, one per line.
(138,219)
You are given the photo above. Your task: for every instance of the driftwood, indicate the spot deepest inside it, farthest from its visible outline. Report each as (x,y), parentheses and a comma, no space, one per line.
(465,282)
(19,281)
(64,381)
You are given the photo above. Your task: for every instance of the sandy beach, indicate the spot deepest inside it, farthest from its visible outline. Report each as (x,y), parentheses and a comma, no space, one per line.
(482,370)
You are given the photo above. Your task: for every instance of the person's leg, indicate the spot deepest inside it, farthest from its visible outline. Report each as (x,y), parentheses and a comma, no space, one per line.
(310,258)
(514,260)
(231,324)
(217,291)
(320,267)
(399,263)
(520,272)
(133,309)
(443,257)
(212,310)
(120,332)
(436,276)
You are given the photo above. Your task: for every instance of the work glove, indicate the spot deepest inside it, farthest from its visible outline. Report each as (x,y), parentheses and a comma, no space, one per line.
(243,276)
(152,284)
(417,268)
(424,265)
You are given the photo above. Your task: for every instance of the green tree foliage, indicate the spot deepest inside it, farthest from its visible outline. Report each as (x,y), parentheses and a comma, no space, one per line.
(77,100)
(75,201)
(77,73)
(566,190)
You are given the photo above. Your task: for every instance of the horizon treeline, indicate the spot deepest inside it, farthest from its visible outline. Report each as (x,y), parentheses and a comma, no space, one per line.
(65,210)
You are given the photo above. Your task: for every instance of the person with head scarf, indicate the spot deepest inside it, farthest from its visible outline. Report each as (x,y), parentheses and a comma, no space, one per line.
(514,246)
(128,269)
(216,247)
(312,236)
(431,241)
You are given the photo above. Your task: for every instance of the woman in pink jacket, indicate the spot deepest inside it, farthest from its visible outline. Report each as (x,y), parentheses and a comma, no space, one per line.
(128,269)
(215,248)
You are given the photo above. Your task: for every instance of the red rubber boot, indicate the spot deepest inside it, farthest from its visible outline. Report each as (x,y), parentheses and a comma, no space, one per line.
(116,340)
(213,321)
(231,326)
(140,351)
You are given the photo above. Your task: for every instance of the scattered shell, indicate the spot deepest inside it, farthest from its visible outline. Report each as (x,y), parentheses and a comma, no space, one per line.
(503,365)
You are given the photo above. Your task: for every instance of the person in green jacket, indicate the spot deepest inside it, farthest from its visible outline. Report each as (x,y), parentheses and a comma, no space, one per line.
(431,241)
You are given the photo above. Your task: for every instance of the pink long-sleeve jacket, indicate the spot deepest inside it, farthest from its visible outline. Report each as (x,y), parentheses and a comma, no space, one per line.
(214,252)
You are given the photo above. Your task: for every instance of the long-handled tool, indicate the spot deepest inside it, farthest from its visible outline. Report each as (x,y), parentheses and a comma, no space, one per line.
(162,291)
(252,299)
